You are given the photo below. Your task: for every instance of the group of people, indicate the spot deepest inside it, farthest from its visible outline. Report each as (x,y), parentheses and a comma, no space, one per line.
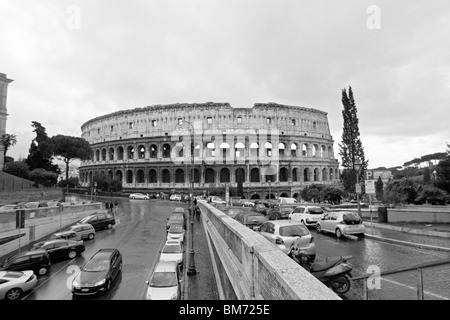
(110,206)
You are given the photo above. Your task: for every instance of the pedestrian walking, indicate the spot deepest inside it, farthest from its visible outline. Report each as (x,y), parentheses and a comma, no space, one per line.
(107,205)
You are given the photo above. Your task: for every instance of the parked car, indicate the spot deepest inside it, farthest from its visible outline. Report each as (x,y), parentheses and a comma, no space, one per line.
(180,210)
(216,200)
(247,203)
(261,208)
(165,282)
(14,283)
(37,261)
(233,211)
(308,215)
(139,196)
(175,197)
(100,221)
(60,249)
(283,233)
(176,231)
(67,235)
(341,223)
(250,219)
(173,251)
(176,218)
(84,230)
(281,211)
(98,273)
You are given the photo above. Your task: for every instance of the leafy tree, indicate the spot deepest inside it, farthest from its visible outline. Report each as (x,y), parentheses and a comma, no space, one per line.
(39,154)
(443,175)
(73,182)
(44,177)
(432,195)
(9,159)
(18,169)
(7,140)
(379,189)
(350,148)
(426,175)
(332,194)
(69,148)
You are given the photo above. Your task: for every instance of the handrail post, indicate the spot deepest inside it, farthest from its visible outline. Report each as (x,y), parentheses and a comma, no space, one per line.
(420,286)
(366,290)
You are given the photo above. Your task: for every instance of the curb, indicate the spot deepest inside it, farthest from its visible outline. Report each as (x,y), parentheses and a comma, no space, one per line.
(410,230)
(412,244)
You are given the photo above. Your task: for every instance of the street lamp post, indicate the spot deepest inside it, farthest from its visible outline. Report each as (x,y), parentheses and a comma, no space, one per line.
(270,183)
(191,267)
(357,167)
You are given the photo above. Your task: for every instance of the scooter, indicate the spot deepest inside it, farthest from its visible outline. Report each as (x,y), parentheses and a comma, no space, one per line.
(334,272)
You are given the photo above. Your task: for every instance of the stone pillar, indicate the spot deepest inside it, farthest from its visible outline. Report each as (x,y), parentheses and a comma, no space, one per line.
(4,81)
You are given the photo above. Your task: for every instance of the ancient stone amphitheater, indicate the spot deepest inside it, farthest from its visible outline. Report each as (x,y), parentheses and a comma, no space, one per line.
(159,148)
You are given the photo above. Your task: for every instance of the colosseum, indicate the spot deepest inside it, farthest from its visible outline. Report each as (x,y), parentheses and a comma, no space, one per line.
(273,148)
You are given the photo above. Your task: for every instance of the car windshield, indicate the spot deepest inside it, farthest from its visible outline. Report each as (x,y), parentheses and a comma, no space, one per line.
(255,219)
(84,220)
(293,231)
(176,217)
(163,279)
(95,265)
(350,217)
(38,245)
(176,228)
(315,211)
(172,248)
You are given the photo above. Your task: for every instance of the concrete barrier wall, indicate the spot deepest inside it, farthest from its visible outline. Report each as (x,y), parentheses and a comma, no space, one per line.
(249,267)
(39,223)
(428,215)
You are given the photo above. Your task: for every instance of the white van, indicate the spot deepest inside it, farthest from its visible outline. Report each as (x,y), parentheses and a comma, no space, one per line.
(283,200)
(308,215)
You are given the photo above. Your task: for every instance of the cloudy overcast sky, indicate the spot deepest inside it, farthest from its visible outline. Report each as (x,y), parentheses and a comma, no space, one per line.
(75,60)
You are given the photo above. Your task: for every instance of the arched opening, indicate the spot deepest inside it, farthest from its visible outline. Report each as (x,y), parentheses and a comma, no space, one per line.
(97,155)
(153,151)
(165,176)
(331,174)
(255,196)
(294,174)
(316,174)
(130,152)
(119,175)
(284,194)
(210,150)
(281,148)
(323,151)
(239,172)
(268,148)
(111,153)
(152,176)
(129,176)
(141,154)
(293,150)
(103,154)
(324,174)
(120,153)
(305,150)
(306,174)
(225,150)
(110,175)
(239,149)
(283,175)
(254,175)
(196,176)
(166,151)
(197,151)
(315,150)
(209,175)
(140,176)
(330,153)
(179,176)
(224,175)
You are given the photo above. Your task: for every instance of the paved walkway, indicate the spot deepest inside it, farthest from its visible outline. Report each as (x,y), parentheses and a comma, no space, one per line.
(202,285)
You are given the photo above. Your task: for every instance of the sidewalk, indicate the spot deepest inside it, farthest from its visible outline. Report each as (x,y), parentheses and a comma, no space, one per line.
(202,285)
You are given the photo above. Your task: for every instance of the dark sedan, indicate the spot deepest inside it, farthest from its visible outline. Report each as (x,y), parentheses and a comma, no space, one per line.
(98,272)
(60,249)
(251,220)
(100,221)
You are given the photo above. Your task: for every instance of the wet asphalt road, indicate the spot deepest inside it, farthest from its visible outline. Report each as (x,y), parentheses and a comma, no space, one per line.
(141,232)
(139,236)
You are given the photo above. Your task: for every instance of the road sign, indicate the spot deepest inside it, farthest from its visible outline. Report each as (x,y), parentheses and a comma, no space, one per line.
(370,186)
(20,219)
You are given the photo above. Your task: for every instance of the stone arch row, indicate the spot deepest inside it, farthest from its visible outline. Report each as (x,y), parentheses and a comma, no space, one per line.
(210,175)
(174,150)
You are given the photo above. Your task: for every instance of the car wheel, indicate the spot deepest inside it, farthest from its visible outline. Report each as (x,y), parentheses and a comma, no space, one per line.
(338,233)
(42,271)
(72,254)
(318,228)
(109,226)
(91,236)
(13,294)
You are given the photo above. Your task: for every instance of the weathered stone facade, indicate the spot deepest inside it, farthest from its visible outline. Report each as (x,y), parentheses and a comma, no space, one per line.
(146,149)
(4,81)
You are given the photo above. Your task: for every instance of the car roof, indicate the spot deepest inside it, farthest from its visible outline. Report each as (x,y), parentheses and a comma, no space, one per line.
(166,266)
(285,222)
(83,225)
(105,251)
(28,253)
(56,241)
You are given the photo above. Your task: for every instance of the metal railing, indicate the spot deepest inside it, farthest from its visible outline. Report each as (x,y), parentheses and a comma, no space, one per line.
(418,267)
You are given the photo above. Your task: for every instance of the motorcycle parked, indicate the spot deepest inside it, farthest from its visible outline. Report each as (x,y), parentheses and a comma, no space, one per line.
(334,272)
